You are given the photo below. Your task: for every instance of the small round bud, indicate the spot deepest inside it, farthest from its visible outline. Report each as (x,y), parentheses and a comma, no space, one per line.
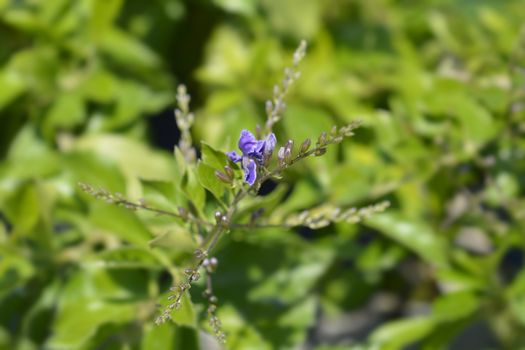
(183,212)
(195,277)
(320,152)
(199,254)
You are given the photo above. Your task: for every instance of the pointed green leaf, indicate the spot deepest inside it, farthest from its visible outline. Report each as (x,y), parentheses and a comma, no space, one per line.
(412,234)
(208,179)
(212,157)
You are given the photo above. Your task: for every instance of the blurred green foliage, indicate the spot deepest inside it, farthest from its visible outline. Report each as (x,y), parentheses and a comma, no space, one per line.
(440,86)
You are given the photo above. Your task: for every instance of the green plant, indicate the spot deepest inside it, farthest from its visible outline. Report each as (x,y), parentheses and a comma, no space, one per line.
(231,190)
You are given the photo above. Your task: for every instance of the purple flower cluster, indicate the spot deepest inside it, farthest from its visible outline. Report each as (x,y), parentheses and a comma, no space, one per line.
(254,152)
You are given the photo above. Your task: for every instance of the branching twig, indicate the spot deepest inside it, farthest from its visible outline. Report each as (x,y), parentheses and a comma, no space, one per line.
(119,200)
(276,106)
(185,119)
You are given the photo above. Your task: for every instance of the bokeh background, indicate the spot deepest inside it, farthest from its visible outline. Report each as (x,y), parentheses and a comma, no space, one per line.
(87,91)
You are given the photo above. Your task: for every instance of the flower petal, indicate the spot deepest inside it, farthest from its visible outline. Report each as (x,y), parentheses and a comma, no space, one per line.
(280,154)
(250,170)
(271,140)
(234,157)
(247,142)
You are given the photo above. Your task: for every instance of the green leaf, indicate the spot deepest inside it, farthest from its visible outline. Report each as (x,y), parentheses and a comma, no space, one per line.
(132,101)
(285,17)
(504,187)
(289,284)
(515,294)
(93,297)
(100,86)
(301,315)
(103,13)
(15,269)
(193,189)
(212,157)
(126,258)
(127,50)
(134,158)
(414,235)
(28,157)
(23,208)
(120,222)
(399,334)
(455,306)
(318,121)
(21,19)
(243,7)
(93,169)
(185,315)
(65,113)
(162,195)
(77,321)
(175,239)
(165,336)
(12,87)
(208,179)
(227,58)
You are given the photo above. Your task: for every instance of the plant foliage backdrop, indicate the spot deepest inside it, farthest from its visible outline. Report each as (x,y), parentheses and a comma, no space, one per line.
(87,90)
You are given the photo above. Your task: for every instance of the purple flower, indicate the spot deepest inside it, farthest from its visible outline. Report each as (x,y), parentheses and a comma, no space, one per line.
(253,152)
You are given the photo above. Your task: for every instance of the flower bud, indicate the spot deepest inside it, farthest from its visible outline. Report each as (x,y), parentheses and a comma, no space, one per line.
(321,141)
(199,254)
(280,156)
(333,131)
(182,212)
(276,90)
(269,107)
(223,177)
(320,152)
(218,217)
(195,277)
(305,145)
(228,171)
(289,146)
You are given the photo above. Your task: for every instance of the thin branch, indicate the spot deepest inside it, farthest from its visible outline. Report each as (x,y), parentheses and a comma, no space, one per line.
(119,200)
